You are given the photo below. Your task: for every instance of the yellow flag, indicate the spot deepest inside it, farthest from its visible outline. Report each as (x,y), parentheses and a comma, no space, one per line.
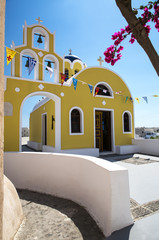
(137,99)
(155,95)
(10,54)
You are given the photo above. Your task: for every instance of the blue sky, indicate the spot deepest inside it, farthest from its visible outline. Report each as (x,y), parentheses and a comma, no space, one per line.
(86,27)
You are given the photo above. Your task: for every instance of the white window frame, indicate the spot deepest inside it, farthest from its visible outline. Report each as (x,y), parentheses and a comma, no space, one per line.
(107,86)
(130,122)
(81,121)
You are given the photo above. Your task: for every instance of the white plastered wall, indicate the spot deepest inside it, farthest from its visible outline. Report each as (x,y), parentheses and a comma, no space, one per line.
(98,185)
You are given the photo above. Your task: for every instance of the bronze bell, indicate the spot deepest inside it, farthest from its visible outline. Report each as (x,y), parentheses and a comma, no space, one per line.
(39,39)
(27,63)
(48,65)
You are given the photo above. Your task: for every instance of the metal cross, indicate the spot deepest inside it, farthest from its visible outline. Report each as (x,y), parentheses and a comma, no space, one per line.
(100,60)
(70,51)
(39,20)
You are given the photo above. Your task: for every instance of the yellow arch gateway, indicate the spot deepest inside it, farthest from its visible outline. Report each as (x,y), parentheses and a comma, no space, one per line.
(67,120)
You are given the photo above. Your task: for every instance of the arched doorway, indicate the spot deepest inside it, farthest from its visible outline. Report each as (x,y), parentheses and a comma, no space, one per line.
(57,101)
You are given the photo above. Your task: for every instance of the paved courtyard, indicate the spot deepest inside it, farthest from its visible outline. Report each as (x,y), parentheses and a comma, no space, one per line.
(49,217)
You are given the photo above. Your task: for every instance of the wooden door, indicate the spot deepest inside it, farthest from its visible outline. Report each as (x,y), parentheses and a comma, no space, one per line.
(99,132)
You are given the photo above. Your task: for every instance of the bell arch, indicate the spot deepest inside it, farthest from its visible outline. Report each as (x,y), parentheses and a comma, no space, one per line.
(43,32)
(57,101)
(33,55)
(56,66)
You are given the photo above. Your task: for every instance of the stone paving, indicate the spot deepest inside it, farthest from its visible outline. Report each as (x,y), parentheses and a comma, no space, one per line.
(138,160)
(139,211)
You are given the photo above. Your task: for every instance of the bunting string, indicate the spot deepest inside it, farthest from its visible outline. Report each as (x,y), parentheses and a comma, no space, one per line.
(32,62)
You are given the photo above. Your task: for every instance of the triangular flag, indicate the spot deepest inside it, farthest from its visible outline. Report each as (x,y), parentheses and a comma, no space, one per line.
(50,70)
(137,99)
(131,99)
(90,87)
(118,92)
(96,91)
(155,95)
(10,54)
(146,99)
(104,90)
(126,99)
(63,77)
(32,63)
(75,83)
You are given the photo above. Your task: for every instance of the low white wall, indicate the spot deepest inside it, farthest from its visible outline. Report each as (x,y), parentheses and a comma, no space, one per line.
(147,146)
(126,149)
(98,185)
(81,151)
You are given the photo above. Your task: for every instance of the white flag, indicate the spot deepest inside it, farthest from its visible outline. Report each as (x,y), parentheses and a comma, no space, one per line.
(104,90)
(50,70)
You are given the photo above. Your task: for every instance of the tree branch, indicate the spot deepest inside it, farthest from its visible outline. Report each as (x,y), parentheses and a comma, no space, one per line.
(139,32)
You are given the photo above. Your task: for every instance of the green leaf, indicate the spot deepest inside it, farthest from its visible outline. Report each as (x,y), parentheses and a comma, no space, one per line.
(141,7)
(150,7)
(135,11)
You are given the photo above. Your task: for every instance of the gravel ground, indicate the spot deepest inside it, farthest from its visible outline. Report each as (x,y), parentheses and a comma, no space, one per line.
(53,218)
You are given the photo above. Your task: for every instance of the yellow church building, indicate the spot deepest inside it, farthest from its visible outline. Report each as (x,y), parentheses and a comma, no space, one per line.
(91,112)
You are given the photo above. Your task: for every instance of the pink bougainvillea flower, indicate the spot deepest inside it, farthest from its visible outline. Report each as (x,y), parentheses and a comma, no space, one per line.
(120,49)
(127,28)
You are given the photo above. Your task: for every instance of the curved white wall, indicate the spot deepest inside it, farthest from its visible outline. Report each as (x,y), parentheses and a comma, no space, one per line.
(98,185)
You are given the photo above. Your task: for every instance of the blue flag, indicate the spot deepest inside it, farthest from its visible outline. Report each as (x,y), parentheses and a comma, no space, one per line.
(32,63)
(90,87)
(131,99)
(146,99)
(75,83)
(126,99)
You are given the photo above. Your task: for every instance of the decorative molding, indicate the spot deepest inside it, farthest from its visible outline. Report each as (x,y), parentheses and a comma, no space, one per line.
(40,54)
(40,86)
(17,89)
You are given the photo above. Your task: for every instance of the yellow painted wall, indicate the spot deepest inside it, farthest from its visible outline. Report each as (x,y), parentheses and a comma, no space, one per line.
(36,123)
(87,102)
(76,66)
(81,98)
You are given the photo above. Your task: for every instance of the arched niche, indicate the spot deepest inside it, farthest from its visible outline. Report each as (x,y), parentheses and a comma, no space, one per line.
(43,32)
(32,54)
(54,59)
